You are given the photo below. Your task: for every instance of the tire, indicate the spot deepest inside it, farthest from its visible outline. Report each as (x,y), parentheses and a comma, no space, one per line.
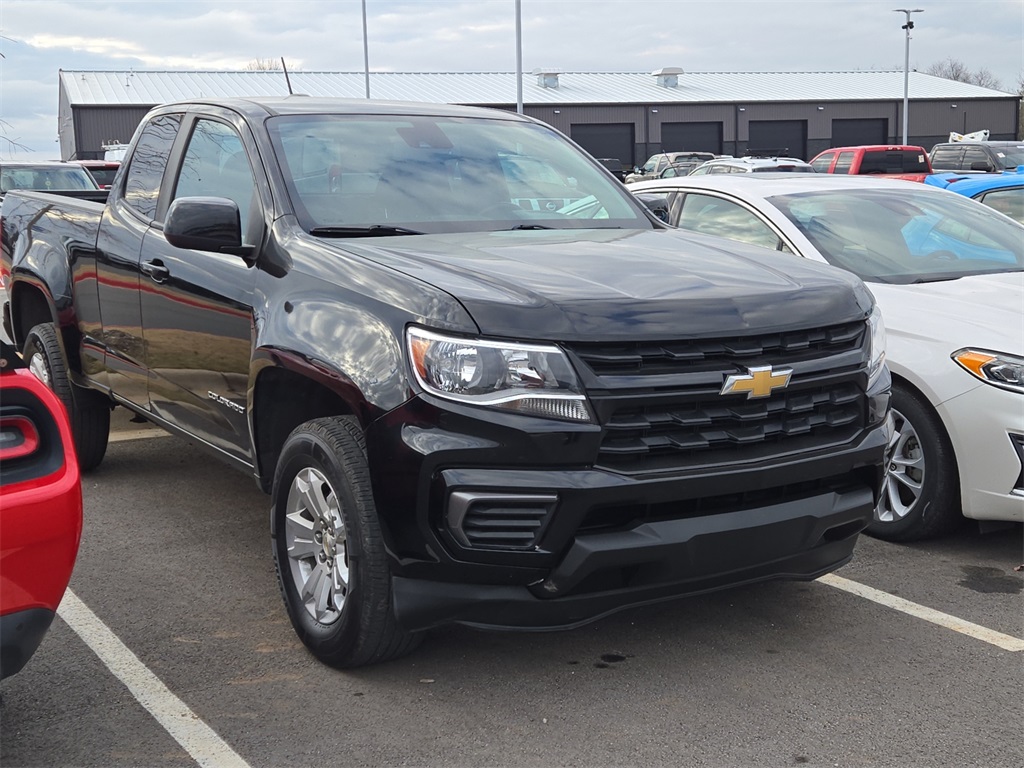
(328,550)
(921,495)
(88,411)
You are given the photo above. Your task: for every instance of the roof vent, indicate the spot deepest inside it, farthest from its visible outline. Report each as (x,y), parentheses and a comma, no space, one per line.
(547,77)
(668,77)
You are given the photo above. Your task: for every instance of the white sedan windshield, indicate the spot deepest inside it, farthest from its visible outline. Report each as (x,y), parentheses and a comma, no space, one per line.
(905,235)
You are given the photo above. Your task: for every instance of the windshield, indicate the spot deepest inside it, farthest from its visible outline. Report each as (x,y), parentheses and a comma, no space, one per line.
(45,178)
(434,174)
(905,235)
(1010,157)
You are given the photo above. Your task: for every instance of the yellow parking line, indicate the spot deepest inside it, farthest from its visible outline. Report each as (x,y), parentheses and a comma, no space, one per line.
(998,639)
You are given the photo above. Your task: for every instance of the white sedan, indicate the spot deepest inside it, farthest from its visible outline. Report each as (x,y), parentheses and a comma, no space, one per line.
(947,273)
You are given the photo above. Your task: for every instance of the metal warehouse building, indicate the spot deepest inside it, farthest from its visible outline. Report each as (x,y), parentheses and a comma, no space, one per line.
(625,115)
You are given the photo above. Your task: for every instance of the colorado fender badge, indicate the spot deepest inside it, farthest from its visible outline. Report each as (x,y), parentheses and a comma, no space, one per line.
(757,382)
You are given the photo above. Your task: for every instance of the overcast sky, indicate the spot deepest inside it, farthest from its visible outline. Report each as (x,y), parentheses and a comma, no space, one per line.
(39,37)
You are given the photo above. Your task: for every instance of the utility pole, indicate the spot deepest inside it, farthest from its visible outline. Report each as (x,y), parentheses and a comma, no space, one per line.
(906,64)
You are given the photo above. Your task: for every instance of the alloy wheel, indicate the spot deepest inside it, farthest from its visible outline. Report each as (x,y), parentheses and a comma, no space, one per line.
(317,545)
(904,481)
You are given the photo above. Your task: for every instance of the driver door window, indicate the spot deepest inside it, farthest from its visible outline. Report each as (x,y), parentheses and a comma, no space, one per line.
(216,165)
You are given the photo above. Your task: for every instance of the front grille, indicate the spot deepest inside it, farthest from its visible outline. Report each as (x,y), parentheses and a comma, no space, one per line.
(661,408)
(704,354)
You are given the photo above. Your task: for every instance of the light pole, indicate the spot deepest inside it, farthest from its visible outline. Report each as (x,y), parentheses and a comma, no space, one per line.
(519,57)
(366,53)
(906,64)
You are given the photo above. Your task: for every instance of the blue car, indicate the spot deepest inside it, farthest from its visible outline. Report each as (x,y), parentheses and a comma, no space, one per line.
(1004,191)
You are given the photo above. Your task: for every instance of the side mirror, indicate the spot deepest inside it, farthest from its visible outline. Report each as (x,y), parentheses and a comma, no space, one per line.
(206,224)
(657,204)
(981,165)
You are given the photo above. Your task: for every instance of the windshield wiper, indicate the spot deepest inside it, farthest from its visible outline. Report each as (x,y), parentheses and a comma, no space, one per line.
(529,226)
(373,230)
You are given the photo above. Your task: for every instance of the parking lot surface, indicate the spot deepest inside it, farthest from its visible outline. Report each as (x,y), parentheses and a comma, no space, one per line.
(174,649)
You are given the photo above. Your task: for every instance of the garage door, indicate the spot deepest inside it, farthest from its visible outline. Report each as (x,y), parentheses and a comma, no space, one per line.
(856,131)
(778,137)
(697,137)
(606,140)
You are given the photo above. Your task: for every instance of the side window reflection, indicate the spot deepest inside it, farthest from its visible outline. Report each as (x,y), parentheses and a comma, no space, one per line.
(216,165)
(714,216)
(148,162)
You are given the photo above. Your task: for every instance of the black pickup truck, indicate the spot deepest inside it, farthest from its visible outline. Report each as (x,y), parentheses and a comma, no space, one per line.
(480,382)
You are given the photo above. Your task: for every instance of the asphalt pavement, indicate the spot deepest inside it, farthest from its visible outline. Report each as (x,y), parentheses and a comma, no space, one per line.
(174,649)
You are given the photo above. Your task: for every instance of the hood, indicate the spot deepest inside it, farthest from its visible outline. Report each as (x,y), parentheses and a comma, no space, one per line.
(574,285)
(977,311)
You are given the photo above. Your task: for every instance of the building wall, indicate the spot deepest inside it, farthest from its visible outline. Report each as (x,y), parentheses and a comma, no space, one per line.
(96,126)
(83,130)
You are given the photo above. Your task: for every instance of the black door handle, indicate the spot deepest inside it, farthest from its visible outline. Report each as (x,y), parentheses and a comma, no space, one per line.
(157,272)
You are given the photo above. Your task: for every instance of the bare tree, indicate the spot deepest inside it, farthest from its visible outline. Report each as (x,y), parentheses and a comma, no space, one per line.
(954,69)
(263,65)
(7,144)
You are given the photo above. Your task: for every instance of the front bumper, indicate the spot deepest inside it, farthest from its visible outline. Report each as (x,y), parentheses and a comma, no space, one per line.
(493,524)
(606,572)
(986,425)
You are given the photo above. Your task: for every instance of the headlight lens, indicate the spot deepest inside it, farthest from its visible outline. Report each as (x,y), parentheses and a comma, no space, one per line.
(995,368)
(527,378)
(877,330)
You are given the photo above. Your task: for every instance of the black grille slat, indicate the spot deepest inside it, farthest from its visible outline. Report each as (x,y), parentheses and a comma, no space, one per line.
(611,359)
(661,408)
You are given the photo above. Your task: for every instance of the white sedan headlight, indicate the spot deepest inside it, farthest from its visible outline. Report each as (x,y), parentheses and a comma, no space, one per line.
(996,368)
(532,379)
(877,330)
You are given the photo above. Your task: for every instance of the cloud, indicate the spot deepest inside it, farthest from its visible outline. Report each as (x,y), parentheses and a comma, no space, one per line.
(40,37)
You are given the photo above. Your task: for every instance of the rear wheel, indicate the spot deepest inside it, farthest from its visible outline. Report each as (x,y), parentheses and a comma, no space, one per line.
(921,496)
(328,550)
(88,411)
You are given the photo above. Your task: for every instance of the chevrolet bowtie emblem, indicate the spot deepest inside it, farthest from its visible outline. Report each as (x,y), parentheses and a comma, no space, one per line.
(759,382)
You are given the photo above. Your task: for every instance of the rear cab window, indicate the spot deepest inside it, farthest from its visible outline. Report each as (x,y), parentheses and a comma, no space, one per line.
(894,161)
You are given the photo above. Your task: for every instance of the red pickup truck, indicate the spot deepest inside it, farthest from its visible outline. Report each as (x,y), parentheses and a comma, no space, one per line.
(900,161)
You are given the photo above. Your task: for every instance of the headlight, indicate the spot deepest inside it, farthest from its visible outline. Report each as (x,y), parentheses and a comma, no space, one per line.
(877,329)
(527,378)
(995,368)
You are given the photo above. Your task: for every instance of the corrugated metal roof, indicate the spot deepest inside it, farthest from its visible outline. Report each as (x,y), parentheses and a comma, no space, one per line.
(93,88)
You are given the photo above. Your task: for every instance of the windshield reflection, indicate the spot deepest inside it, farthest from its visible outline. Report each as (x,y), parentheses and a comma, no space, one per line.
(434,174)
(905,235)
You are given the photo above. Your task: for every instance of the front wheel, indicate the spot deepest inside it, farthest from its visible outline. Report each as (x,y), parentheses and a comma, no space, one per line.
(88,411)
(921,496)
(330,557)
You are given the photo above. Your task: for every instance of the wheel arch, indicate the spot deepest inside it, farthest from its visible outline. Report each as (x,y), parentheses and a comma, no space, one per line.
(290,390)
(922,397)
(30,306)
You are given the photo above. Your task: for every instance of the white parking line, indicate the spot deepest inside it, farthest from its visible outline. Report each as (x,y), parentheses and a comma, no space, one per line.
(998,639)
(195,736)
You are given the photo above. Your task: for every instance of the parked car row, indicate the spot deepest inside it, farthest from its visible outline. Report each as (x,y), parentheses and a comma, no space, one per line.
(947,274)
(910,162)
